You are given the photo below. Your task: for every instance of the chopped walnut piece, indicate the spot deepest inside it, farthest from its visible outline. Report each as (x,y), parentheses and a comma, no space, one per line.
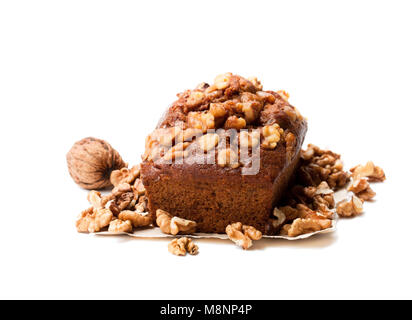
(176,152)
(188,135)
(369,170)
(358,185)
(124,200)
(234,122)
(93,220)
(251,114)
(114,208)
(289,212)
(195,98)
(152,150)
(141,206)
(173,225)
(256,83)
(122,197)
(117,176)
(180,246)
(202,86)
(283,94)
(139,187)
(325,160)
(242,235)
(119,226)
(138,219)
(227,158)
(222,80)
(251,105)
(323,189)
(290,145)
(271,136)
(321,198)
(249,139)
(350,208)
(322,165)
(285,230)
(323,204)
(313,151)
(338,179)
(218,110)
(303,211)
(208,141)
(166,136)
(125,175)
(120,189)
(378,175)
(95,199)
(301,226)
(266,96)
(201,120)
(367,195)
(292,113)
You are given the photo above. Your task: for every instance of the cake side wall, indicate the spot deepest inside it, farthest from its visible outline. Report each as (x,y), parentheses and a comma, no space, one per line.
(214,196)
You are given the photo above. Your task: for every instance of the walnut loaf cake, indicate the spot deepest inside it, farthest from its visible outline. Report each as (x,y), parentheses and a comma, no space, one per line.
(223,153)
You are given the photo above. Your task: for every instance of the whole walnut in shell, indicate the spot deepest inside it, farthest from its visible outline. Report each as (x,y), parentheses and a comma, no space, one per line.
(91,162)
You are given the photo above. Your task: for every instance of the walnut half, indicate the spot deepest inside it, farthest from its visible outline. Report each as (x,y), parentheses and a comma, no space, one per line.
(180,246)
(369,170)
(362,189)
(93,220)
(242,235)
(136,218)
(173,225)
(119,226)
(306,221)
(301,226)
(350,208)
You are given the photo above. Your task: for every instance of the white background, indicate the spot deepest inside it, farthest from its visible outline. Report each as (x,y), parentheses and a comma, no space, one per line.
(71,69)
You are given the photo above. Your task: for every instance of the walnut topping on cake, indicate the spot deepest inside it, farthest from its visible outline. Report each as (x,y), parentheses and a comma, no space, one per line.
(230,103)
(201,120)
(234,122)
(271,135)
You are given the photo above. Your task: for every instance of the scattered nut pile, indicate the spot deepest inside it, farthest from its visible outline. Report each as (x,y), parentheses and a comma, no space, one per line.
(310,205)
(122,210)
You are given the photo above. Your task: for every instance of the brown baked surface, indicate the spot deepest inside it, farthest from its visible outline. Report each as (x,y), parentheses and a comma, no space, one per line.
(216,195)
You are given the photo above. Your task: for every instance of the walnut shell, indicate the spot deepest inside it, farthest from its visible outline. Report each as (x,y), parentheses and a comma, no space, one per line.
(91,161)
